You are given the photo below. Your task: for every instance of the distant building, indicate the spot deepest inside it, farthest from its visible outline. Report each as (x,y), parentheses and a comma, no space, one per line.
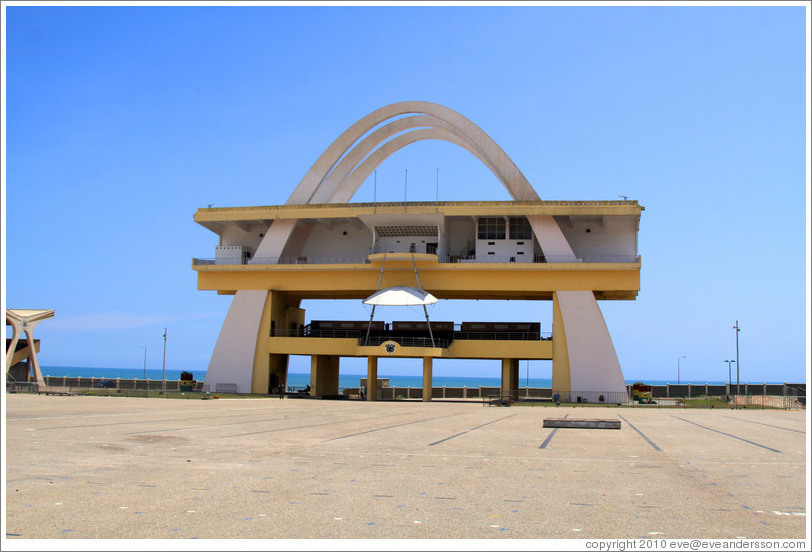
(318,246)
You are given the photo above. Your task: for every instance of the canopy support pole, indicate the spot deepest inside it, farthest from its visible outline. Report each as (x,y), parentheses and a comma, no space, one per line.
(425,310)
(380,279)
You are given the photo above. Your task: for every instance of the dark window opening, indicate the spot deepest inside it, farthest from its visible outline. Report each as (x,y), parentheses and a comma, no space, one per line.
(520,229)
(491,228)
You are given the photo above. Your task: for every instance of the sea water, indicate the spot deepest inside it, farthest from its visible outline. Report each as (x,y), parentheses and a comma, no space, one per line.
(296,379)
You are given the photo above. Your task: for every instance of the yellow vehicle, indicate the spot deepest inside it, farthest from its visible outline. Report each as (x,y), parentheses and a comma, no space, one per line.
(642,393)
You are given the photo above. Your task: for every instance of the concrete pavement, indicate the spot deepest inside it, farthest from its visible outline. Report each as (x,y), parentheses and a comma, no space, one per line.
(132,468)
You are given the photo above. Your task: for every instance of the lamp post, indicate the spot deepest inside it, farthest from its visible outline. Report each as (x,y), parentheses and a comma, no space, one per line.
(736,327)
(145,361)
(163,369)
(729,377)
(678,359)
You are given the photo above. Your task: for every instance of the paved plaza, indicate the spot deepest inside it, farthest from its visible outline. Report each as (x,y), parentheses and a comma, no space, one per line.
(132,468)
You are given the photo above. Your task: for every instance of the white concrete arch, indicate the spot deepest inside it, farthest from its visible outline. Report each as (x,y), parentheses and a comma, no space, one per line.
(512,177)
(354,157)
(350,185)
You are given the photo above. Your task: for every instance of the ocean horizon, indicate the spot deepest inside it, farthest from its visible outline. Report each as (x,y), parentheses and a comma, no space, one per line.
(302,379)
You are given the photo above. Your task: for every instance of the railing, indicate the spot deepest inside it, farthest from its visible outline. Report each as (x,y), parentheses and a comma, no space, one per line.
(282,261)
(307,332)
(504,336)
(21,386)
(449,259)
(785,396)
(387,334)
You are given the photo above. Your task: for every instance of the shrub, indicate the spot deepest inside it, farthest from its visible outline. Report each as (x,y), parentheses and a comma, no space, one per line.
(187,376)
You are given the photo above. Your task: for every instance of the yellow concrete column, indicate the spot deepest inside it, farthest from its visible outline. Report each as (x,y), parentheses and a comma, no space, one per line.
(280,315)
(324,375)
(510,377)
(561,360)
(427,365)
(372,378)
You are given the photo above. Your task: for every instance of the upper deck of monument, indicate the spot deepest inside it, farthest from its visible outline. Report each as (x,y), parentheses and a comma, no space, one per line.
(454,231)
(215,218)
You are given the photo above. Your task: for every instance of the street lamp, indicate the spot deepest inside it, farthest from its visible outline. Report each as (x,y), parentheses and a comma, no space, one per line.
(729,377)
(145,361)
(678,359)
(163,370)
(736,327)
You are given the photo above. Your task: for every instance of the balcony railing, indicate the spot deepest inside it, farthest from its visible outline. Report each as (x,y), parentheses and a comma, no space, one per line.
(450,259)
(387,334)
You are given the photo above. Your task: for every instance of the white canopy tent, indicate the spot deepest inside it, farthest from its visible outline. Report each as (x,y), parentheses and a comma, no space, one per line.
(400,296)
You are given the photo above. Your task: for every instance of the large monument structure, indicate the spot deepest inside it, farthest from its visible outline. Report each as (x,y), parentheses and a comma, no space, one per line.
(320,246)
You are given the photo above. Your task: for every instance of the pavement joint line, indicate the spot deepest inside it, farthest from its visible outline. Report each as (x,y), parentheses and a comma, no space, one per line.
(469,430)
(768,425)
(544,458)
(292,428)
(393,426)
(728,435)
(116,414)
(643,435)
(550,436)
(226,424)
(149,421)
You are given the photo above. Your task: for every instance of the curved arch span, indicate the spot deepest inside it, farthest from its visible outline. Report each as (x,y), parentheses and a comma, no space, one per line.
(351,160)
(511,177)
(350,185)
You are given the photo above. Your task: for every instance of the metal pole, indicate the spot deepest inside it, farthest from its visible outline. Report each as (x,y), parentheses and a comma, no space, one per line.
(431,334)
(405,186)
(425,311)
(163,370)
(380,279)
(437,192)
(736,327)
(678,359)
(145,361)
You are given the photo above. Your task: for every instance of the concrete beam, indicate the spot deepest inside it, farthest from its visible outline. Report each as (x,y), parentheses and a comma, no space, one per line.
(582,424)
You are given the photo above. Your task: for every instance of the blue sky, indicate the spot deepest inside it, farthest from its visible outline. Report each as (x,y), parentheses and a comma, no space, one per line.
(122,121)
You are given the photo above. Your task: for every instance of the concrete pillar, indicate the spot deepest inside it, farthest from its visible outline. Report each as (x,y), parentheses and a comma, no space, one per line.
(561,361)
(584,358)
(16,330)
(510,377)
(323,375)
(29,334)
(427,365)
(372,378)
